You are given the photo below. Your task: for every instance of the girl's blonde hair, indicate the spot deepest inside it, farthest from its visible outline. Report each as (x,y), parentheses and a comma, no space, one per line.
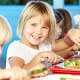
(32,9)
(5,28)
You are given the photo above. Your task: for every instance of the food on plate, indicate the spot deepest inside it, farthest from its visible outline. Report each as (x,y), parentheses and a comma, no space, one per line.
(69,77)
(73,63)
(38,71)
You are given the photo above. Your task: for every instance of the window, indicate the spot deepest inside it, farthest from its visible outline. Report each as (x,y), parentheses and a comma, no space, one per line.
(20,2)
(9,2)
(71,2)
(49,1)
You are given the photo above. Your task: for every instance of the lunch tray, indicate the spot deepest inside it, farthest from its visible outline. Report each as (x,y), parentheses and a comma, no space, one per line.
(60,70)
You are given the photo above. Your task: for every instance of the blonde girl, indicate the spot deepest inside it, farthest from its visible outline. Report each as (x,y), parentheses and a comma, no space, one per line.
(5,37)
(5,32)
(36,30)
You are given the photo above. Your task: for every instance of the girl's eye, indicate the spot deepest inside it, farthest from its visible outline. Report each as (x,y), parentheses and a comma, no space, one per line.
(34,24)
(45,27)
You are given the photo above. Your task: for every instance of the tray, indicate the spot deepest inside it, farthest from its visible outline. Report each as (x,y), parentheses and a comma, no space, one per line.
(60,70)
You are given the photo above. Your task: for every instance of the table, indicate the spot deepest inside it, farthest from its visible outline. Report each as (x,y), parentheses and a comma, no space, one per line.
(59,77)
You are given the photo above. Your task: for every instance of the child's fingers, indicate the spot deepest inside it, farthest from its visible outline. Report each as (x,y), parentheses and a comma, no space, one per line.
(58,59)
(18,74)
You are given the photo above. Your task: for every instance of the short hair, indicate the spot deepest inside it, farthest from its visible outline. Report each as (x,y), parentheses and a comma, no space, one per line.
(31,9)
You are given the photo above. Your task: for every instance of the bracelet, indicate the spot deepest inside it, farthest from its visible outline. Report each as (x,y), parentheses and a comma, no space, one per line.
(68,40)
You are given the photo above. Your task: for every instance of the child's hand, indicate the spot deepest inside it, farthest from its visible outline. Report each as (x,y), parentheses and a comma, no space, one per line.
(74,35)
(18,74)
(57,59)
(75,47)
(4,74)
(50,57)
(43,56)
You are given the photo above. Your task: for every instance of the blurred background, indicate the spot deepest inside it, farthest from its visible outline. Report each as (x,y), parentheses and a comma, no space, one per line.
(11,9)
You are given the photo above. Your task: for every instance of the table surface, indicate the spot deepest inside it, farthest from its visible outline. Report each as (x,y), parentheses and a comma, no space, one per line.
(59,77)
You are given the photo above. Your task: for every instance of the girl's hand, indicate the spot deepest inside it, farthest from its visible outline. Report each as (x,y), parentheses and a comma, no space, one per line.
(57,59)
(74,35)
(75,47)
(18,74)
(15,73)
(43,56)
(50,57)
(4,74)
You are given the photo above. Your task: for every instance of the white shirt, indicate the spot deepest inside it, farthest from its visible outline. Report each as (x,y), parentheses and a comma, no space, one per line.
(26,53)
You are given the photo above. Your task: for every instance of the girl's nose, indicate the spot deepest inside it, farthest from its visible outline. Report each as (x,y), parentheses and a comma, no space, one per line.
(38,30)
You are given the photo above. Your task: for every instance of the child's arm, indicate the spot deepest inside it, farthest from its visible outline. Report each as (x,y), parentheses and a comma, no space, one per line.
(4,74)
(29,66)
(50,57)
(66,53)
(72,37)
(60,45)
(15,73)
(69,52)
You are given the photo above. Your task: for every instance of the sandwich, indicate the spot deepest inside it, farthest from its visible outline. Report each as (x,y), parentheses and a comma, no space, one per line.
(38,71)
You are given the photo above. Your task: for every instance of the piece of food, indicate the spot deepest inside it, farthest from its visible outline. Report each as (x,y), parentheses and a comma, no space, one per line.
(73,63)
(38,71)
(69,77)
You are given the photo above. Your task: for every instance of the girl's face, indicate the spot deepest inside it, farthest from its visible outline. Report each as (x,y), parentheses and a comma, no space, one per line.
(2,37)
(2,40)
(36,29)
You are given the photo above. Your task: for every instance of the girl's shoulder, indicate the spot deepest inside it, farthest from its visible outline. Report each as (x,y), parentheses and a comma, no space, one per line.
(15,42)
